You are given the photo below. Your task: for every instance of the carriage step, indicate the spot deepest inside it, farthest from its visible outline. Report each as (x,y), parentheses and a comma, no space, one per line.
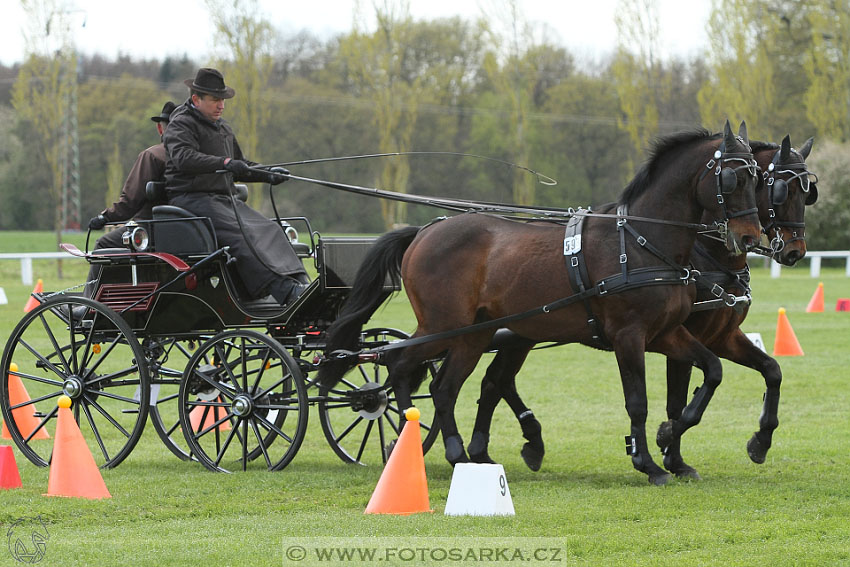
(129,411)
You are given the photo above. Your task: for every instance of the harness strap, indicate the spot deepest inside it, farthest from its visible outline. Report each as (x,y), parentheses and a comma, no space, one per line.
(579,278)
(641,277)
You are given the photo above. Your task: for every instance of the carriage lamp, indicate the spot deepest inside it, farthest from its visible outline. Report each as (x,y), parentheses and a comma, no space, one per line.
(135,237)
(291,233)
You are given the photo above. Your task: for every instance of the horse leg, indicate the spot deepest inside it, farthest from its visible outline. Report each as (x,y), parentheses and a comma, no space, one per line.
(742,351)
(678,379)
(459,364)
(404,375)
(681,345)
(629,349)
(500,383)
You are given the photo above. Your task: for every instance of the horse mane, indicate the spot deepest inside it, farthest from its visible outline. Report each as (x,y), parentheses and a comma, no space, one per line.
(661,147)
(758,146)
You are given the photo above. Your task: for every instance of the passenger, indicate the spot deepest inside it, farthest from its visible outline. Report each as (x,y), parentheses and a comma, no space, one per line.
(133,203)
(198,144)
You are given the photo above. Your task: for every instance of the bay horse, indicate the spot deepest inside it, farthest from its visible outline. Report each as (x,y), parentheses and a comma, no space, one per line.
(479,269)
(784,190)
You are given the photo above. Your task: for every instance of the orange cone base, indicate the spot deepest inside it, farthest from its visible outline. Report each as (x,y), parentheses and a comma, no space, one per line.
(24,418)
(10,477)
(196,416)
(73,472)
(843,304)
(816,302)
(786,343)
(403,488)
(32,302)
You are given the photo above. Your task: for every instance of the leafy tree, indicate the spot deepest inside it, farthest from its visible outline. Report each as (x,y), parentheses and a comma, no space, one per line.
(41,91)
(637,72)
(247,65)
(741,84)
(375,64)
(828,219)
(828,70)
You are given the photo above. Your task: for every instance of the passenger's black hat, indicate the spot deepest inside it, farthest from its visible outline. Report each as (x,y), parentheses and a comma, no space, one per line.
(210,81)
(165,115)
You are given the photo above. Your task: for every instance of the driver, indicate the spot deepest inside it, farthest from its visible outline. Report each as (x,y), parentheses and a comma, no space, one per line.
(199,143)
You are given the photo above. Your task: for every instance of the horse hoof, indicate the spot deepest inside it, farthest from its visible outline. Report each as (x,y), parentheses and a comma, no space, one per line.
(664,437)
(687,473)
(659,479)
(681,469)
(481,458)
(388,449)
(756,451)
(454,450)
(532,456)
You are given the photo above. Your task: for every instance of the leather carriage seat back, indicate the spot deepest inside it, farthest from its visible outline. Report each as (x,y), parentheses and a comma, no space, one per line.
(181,232)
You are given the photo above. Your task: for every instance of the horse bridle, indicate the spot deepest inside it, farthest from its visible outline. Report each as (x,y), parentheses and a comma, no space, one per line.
(778,195)
(726,180)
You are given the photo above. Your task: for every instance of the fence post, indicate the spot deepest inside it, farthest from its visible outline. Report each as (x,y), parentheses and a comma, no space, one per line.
(775,269)
(26,271)
(814,270)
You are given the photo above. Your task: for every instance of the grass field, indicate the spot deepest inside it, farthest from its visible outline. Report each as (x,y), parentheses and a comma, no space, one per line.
(792,510)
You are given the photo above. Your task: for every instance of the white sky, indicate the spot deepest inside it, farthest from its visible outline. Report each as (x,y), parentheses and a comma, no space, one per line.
(157,28)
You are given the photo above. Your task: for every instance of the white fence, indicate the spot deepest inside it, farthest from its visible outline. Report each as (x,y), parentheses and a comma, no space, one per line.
(814,259)
(26,259)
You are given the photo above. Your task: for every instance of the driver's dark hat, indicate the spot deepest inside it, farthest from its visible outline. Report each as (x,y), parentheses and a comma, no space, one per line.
(165,115)
(210,81)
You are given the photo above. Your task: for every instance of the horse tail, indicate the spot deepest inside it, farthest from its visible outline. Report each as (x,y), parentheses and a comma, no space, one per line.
(367,294)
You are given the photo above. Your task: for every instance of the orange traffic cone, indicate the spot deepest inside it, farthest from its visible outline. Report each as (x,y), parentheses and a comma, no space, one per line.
(816,302)
(786,343)
(200,422)
(73,471)
(24,416)
(403,488)
(9,475)
(32,302)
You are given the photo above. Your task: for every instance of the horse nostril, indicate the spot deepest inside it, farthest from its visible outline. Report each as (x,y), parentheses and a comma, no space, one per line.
(749,242)
(792,257)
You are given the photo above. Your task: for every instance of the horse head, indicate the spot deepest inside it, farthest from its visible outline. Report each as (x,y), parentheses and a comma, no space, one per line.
(727,193)
(786,188)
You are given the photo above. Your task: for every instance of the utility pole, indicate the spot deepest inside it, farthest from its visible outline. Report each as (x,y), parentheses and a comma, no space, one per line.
(71,210)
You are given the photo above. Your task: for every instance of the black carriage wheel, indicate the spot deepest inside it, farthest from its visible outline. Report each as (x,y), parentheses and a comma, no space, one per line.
(83,349)
(167,359)
(361,417)
(249,402)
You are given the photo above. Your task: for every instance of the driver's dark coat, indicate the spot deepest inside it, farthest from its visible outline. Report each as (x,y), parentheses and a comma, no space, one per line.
(196,149)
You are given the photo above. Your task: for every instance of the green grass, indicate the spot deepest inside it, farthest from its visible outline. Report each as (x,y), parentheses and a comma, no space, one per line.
(792,510)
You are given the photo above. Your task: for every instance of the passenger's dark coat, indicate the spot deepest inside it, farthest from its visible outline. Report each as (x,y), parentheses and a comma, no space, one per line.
(197,148)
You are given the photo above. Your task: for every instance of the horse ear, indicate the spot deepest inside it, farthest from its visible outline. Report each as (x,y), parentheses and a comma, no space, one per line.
(785,149)
(728,137)
(742,132)
(807,148)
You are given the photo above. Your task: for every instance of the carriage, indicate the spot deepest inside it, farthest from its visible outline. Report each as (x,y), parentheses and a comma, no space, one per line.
(232,376)
(170,333)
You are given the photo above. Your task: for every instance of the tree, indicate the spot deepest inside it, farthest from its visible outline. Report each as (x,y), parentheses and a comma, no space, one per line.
(41,91)
(741,86)
(247,65)
(641,84)
(374,64)
(513,73)
(828,69)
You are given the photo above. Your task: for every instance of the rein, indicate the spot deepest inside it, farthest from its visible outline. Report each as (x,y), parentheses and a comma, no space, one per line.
(467,206)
